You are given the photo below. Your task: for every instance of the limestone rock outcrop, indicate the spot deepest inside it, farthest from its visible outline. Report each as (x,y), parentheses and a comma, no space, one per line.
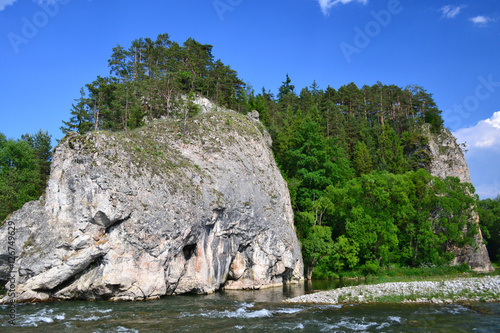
(166,209)
(448,160)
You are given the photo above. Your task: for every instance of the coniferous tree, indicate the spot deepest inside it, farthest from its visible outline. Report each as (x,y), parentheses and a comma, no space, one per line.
(82,120)
(390,150)
(362,161)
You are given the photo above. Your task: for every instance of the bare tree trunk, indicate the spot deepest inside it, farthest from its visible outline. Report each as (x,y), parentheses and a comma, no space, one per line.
(96,112)
(309,273)
(327,125)
(185,120)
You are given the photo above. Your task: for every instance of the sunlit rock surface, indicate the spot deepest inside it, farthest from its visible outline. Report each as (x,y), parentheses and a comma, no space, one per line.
(166,209)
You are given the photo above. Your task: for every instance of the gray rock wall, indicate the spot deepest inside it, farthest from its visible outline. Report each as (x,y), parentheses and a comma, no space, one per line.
(448,160)
(156,211)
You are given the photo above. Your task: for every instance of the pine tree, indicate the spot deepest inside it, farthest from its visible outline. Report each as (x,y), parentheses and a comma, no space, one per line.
(390,152)
(362,160)
(82,120)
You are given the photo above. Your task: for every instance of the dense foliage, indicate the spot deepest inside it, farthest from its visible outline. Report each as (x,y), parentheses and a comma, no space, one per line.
(489,218)
(355,161)
(24,170)
(409,219)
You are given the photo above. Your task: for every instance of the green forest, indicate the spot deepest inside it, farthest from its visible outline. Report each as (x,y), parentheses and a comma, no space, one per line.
(355,158)
(24,170)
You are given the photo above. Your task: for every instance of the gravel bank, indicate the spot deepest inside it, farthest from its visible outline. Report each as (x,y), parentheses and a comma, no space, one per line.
(484,289)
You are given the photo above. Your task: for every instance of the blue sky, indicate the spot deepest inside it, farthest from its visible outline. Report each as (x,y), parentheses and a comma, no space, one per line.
(49,49)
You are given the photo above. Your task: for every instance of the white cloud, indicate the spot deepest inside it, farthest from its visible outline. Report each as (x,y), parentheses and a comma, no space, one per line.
(481,20)
(483,156)
(488,190)
(327,4)
(494,121)
(5,3)
(451,11)
(45,2)
(484,135)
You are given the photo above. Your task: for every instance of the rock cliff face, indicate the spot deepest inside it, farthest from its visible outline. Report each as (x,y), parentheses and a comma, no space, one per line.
(448,160)
(158,211)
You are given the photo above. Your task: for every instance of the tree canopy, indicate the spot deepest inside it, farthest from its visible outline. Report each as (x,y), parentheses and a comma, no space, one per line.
(147,79)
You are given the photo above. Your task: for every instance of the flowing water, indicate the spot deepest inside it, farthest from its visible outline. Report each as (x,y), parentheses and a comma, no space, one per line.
(249,311)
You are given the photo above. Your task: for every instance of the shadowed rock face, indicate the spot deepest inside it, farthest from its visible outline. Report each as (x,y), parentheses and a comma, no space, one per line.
(158,211)
(448,160)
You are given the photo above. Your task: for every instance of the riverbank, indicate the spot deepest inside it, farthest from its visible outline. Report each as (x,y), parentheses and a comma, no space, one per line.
(482,289)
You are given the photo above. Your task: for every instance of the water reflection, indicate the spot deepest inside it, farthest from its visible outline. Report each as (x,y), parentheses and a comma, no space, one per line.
(278,294)
(318,285)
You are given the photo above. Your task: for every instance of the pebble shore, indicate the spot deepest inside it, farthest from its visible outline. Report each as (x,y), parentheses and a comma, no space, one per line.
(484,289)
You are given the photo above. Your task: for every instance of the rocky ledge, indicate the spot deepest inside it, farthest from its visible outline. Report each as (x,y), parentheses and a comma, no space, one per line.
(484,289)
(170,208)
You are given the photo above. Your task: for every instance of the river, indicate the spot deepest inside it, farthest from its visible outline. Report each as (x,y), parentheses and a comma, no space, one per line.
(249,311)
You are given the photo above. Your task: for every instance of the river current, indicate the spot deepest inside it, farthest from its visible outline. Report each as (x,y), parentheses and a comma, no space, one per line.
(249,311)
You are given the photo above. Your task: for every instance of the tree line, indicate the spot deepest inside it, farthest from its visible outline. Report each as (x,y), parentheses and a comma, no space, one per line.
(147,79)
